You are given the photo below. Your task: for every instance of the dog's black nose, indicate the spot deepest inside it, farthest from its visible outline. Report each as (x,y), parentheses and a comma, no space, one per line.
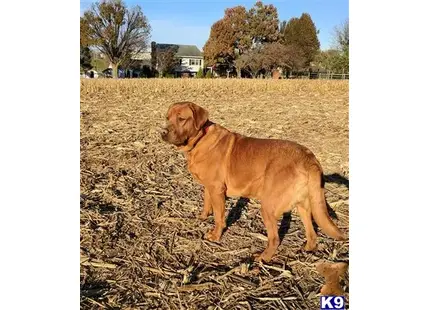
(162,131)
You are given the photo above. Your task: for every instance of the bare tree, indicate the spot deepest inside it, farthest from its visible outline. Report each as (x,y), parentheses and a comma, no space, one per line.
(341,37)
(165,59)
(288,57)
(118,32)
(251,62)
(340,61)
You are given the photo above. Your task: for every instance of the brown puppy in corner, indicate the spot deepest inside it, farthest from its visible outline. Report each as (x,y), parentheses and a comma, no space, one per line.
(279,173)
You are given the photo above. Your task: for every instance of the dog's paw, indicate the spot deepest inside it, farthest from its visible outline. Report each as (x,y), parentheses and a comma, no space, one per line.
(310,247)
(203,216)
(212,236)
(262,257)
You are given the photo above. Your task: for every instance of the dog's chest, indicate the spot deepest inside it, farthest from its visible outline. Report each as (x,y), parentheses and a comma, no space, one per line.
(201,170)
(195,173)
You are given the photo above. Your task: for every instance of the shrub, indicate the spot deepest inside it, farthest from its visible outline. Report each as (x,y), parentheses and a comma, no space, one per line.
(199,74)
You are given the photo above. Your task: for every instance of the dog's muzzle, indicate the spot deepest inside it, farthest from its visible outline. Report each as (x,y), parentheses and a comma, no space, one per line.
(163,131)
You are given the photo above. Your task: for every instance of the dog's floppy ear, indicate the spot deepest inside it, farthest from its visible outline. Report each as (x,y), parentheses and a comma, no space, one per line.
(200,115)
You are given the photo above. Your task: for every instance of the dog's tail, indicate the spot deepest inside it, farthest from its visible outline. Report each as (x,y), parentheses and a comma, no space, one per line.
(319,206)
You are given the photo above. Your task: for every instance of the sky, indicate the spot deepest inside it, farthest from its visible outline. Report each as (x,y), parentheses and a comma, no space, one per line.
(190,21)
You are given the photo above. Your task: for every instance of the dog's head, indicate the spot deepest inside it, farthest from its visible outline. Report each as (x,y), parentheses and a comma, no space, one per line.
(184,122)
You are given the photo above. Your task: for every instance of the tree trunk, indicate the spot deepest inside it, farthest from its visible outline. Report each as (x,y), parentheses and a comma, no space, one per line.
(114,71)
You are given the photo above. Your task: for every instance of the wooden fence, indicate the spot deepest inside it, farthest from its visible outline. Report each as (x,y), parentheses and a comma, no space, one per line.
(319,75)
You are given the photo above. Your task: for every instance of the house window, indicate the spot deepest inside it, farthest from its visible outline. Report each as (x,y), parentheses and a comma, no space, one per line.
(195,62)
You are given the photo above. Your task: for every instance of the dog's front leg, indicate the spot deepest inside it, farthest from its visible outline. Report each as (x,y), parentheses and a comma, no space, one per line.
(207,208)
(217,199)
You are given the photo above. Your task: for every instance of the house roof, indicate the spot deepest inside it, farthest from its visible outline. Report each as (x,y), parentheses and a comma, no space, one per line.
(182,50)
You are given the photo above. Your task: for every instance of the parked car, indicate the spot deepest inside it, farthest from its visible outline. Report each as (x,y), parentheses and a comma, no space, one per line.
(91,74)
(107,73)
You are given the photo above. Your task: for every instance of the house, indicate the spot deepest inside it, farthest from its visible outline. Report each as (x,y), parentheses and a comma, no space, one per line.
(144,56)
(189,58)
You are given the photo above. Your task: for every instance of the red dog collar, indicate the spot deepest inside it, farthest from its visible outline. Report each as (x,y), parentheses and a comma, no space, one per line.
(206,126)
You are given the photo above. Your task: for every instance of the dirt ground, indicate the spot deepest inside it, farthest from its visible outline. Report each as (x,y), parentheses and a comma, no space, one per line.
(142,246)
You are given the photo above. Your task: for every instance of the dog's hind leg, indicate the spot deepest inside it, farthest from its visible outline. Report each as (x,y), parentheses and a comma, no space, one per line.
(271,223)
(305,213)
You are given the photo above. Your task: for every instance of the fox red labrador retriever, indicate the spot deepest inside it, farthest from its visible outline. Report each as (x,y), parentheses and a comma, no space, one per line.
(281,174)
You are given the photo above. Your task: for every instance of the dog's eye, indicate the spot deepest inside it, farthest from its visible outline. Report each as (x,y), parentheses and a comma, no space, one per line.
(181,119)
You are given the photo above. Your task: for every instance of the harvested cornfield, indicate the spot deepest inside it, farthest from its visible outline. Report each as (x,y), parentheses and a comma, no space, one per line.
(142,246)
